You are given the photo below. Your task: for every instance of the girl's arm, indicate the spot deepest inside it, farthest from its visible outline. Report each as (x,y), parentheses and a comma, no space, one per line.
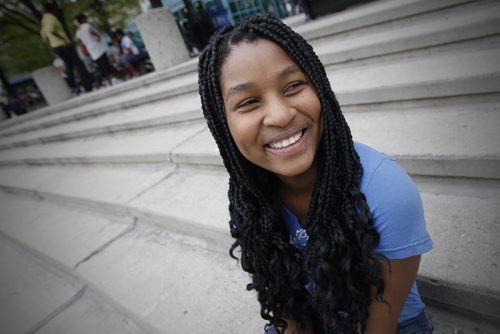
(383,318)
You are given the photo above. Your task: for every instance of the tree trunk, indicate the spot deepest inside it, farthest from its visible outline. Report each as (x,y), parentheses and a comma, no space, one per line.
(102,16)
(31,6)
(6,85)
(155,3)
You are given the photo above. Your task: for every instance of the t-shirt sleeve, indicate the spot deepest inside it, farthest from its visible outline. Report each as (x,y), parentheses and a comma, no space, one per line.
(50,25)
(47,26)
(397,211)
(126,42)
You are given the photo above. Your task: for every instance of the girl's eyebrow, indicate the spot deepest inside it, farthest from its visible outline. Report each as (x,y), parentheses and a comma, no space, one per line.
(240,87)
(288,70)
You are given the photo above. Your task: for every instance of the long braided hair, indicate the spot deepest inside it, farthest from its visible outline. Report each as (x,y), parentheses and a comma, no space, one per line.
(339,259)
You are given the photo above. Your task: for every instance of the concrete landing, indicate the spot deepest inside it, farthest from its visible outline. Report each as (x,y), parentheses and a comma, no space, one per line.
(175,284)
(31,294)
(67,236)
(47,290)
(193,202)
(89,314)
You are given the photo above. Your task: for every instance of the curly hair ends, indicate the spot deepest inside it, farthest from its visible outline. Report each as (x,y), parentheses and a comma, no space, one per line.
(340,259)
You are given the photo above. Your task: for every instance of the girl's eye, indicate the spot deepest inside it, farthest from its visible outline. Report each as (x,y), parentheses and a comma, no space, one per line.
(293,87)
(247,104)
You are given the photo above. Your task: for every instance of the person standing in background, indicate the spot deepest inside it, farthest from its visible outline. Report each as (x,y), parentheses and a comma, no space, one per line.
(95,45)
(53,32)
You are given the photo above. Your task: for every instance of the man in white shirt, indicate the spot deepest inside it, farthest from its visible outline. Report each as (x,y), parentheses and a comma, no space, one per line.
(95,45)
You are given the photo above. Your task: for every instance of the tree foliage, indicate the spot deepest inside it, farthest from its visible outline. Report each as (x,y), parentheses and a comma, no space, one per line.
(23,50)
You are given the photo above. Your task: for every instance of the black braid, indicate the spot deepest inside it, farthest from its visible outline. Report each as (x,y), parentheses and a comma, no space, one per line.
(340,257)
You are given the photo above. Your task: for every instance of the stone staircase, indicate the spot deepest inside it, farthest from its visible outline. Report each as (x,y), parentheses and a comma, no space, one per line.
(114,205)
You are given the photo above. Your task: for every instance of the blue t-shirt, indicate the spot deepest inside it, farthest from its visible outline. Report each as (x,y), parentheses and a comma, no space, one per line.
(397,212)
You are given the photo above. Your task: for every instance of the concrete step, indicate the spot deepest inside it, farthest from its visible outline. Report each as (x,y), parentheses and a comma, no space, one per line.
(146,290)
(467,73)
(125,98)
(176,284)
(462,24)
(468,157)
(151,290)
(450,321)
(90,314)
(144,146)
(192,202)
(39,298)
(178,109)
(105,188)
(201,150)
(122,191)
(408,131)
(447,12)
(86,101)
(422,135)
(463,227)
(48,228)
(31,293)
(439,76)
(40,245)
(165,80)
(371,14)
(366,15)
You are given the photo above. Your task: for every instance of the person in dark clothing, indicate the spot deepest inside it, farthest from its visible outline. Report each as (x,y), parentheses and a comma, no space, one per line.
(53,32)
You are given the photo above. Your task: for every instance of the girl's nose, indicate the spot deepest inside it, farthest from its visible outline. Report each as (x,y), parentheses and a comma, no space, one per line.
(279,114)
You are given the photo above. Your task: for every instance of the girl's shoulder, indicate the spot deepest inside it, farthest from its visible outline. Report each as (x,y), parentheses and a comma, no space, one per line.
(372,161)
(395,204)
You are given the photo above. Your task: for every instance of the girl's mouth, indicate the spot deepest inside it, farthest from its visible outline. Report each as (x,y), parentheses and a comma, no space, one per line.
(288,141)
(288,145)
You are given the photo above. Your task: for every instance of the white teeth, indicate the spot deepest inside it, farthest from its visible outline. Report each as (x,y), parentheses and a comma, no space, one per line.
(286,142)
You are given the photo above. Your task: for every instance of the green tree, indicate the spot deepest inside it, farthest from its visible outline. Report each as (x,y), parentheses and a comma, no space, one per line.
(107,15)
(23,50)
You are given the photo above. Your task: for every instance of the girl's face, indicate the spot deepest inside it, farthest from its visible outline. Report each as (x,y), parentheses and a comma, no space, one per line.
(272,110)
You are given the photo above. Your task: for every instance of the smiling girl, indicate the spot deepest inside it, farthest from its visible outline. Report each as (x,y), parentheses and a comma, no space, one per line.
(330,231)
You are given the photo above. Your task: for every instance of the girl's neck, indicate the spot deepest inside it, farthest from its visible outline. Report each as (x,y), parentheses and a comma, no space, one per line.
(296,192)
